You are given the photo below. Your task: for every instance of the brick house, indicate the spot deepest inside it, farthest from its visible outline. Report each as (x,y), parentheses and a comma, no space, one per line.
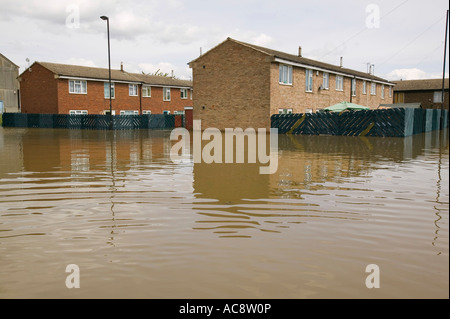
(426,92)
(69,89)
(241,85)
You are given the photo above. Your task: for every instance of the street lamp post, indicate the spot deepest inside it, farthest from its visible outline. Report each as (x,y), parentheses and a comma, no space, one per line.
(109,69)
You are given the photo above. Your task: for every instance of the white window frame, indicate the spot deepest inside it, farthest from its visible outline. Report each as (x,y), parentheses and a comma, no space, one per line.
(390,91)
(146,91)
(285,111)
(78,112)
(353,87)
(339,83)
(146,112)
(308,80)
(364,88)
(125,112)
(184,94)
(285,74)
(326,81)
(178,112)
(166,94)
(79,84)
(437,94)
(166,112)
(373,88)
(106,112)
(192,93)
(106,93)
(132,89)
(382,91)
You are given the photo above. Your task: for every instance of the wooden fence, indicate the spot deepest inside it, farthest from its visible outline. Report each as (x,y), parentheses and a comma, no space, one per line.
(396,122)
(94,122)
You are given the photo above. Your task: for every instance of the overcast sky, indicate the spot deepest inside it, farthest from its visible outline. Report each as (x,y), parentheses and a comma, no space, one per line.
(402,38)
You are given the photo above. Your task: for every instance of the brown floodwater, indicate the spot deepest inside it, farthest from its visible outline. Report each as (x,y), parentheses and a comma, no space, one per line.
(141,226)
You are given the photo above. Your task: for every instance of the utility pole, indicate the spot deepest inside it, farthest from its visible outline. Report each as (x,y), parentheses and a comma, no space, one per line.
(443,71)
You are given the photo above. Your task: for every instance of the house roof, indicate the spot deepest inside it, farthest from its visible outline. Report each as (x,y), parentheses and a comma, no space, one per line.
(78,71)
(306,61)
(420,85)
(5,58)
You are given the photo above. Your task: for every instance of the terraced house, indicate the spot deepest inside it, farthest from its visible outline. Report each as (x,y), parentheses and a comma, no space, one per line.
(241,85)
(51,88)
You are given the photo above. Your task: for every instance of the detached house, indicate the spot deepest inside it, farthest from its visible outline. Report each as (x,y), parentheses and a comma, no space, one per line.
(241,85)
(53,88)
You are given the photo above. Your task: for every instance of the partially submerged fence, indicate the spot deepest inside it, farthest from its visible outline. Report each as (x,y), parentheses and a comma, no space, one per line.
(95,122)
(396,122)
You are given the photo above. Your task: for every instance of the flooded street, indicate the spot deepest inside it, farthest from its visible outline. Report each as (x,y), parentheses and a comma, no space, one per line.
(140,226)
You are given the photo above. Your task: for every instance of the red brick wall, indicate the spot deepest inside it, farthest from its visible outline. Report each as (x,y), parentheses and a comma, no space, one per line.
(156,104)
(38,91)
(95,102)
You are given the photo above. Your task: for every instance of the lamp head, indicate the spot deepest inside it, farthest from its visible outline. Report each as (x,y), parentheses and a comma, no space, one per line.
(104,18)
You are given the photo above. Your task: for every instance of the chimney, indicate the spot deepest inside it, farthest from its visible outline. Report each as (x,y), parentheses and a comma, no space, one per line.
(173,76)
(342,62)
(299,51)
(121,66)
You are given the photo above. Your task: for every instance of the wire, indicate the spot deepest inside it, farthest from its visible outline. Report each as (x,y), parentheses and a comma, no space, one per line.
(365,29)
(412,41)
(430,53)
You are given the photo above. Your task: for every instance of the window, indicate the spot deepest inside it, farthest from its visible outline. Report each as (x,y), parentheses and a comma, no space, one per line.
(309,80)
(339,83)
(184,94)
(178,112)
(373,89)
(106,87)
(382,91)
(364,88)
(285,74)
(353,87)
(78,112)
(147,91)
(192,93)
(106,112)
(77,87)
(399,97)
(326,81)
(437,97)
(133,89)
(128,112)
(284,111)
(146,112)
(390,91)
(309,110)
(166,112)
(166,94)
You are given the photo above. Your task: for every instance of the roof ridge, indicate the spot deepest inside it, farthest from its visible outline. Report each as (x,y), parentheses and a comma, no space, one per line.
(301,59)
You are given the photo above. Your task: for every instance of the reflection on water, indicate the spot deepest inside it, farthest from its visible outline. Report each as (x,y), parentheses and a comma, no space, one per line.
(139,225)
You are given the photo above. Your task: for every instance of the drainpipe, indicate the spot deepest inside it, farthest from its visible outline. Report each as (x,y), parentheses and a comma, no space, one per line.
(140,98)
(351,90)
